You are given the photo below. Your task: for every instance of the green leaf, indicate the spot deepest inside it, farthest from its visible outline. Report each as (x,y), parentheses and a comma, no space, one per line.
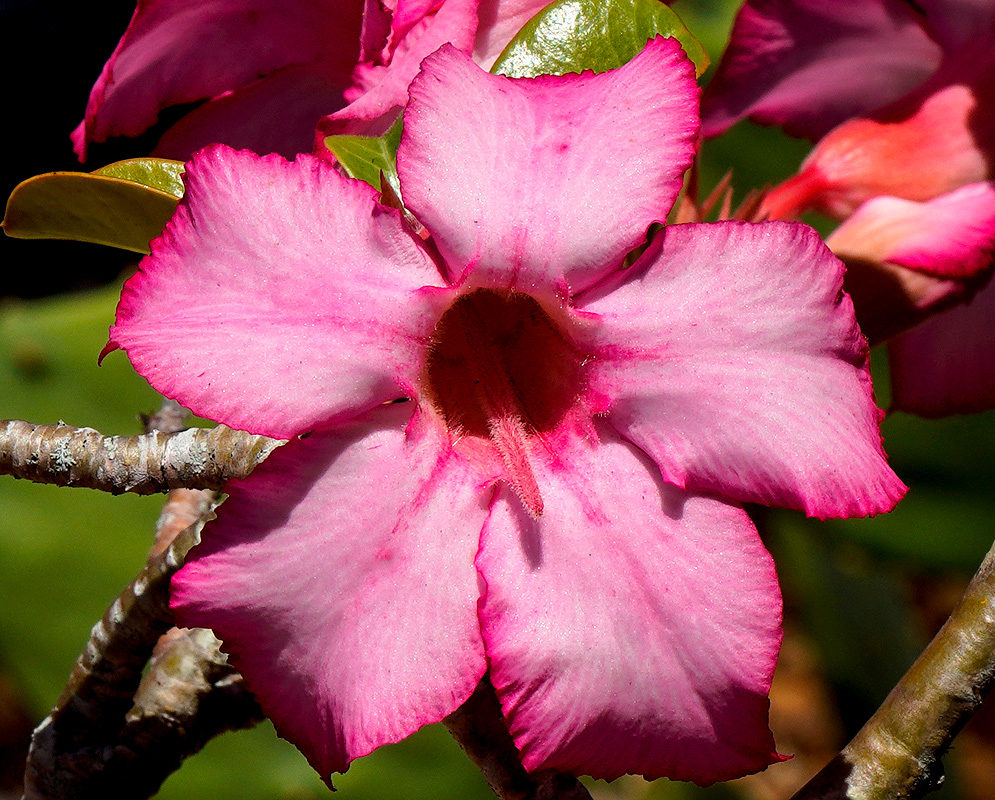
(366,157)
(156,173)
(599,35)
(89,208)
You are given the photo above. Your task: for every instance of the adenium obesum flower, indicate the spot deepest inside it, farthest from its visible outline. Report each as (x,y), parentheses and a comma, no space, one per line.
(396,38)
(903,98)
(268,71)
(557,504)
(909,262)
(900,95)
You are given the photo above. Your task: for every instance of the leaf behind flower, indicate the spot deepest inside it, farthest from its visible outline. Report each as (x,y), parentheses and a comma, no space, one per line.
(123,205)
(577,35)
(366,157)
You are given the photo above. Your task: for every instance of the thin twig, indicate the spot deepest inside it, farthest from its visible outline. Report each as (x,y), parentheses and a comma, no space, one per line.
(196,458)
(896,755)
(722,192)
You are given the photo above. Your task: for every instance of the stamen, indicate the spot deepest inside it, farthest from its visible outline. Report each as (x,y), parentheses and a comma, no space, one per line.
(501,406)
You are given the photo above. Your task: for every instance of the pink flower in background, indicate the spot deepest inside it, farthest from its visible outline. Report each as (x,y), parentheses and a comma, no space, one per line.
(917,274)
(809,65)
(903,97)
(557,503)
(902,102)
(252,61)
(268,71)
(394,45)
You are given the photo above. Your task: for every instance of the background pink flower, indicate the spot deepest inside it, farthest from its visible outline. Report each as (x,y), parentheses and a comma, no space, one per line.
(902,98)
(901,101)
(265,72)
(557,502)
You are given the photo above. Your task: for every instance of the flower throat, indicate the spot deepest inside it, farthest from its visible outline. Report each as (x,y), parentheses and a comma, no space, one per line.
(500,369)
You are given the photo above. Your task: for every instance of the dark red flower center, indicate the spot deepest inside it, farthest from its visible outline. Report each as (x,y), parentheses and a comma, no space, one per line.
(501,369)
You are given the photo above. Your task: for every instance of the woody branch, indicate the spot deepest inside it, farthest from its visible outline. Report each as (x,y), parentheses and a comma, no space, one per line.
(118,724)
(896,755)
(195,458)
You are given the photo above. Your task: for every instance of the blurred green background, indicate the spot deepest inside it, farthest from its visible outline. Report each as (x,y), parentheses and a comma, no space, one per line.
(861,596)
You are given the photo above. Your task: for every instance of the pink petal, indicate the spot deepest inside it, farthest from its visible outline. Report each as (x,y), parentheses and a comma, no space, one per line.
(277,114)
(376,28)
(811,64)
(385,24)
(889,299)
(411,12)
(383,89)
(632,628)
(548,178)
(931,143)
(180,52)
(280,295)
(951,236)
(340,578)
(734,360)
(946,365)
(957,24)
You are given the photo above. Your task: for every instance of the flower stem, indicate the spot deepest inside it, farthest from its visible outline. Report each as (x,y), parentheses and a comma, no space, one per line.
(480,729)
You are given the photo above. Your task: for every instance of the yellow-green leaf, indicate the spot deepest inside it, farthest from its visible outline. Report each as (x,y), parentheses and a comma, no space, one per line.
(365,157)
(599,35)
(156,173)
(88,208)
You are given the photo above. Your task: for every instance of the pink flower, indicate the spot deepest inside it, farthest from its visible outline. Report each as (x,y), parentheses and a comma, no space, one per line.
(903,102)
(912,262)
(394,46)
(809,65)
(269,71)
(557,503)
(903,98)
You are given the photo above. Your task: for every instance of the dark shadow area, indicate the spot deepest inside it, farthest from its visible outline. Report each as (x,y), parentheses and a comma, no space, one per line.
(52,52)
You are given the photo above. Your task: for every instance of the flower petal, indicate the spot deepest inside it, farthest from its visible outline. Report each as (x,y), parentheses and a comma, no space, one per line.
(632,628)
(340,578)
(889,299)
(280,296)
(959,24)
(382,89)
(277,114)
(733,359)
(178,51)
(548,178)
(950,236)
(930,143)
(811,64)
(946,365)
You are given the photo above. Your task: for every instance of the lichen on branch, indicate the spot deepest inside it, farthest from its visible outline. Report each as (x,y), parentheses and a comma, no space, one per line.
(196,458)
